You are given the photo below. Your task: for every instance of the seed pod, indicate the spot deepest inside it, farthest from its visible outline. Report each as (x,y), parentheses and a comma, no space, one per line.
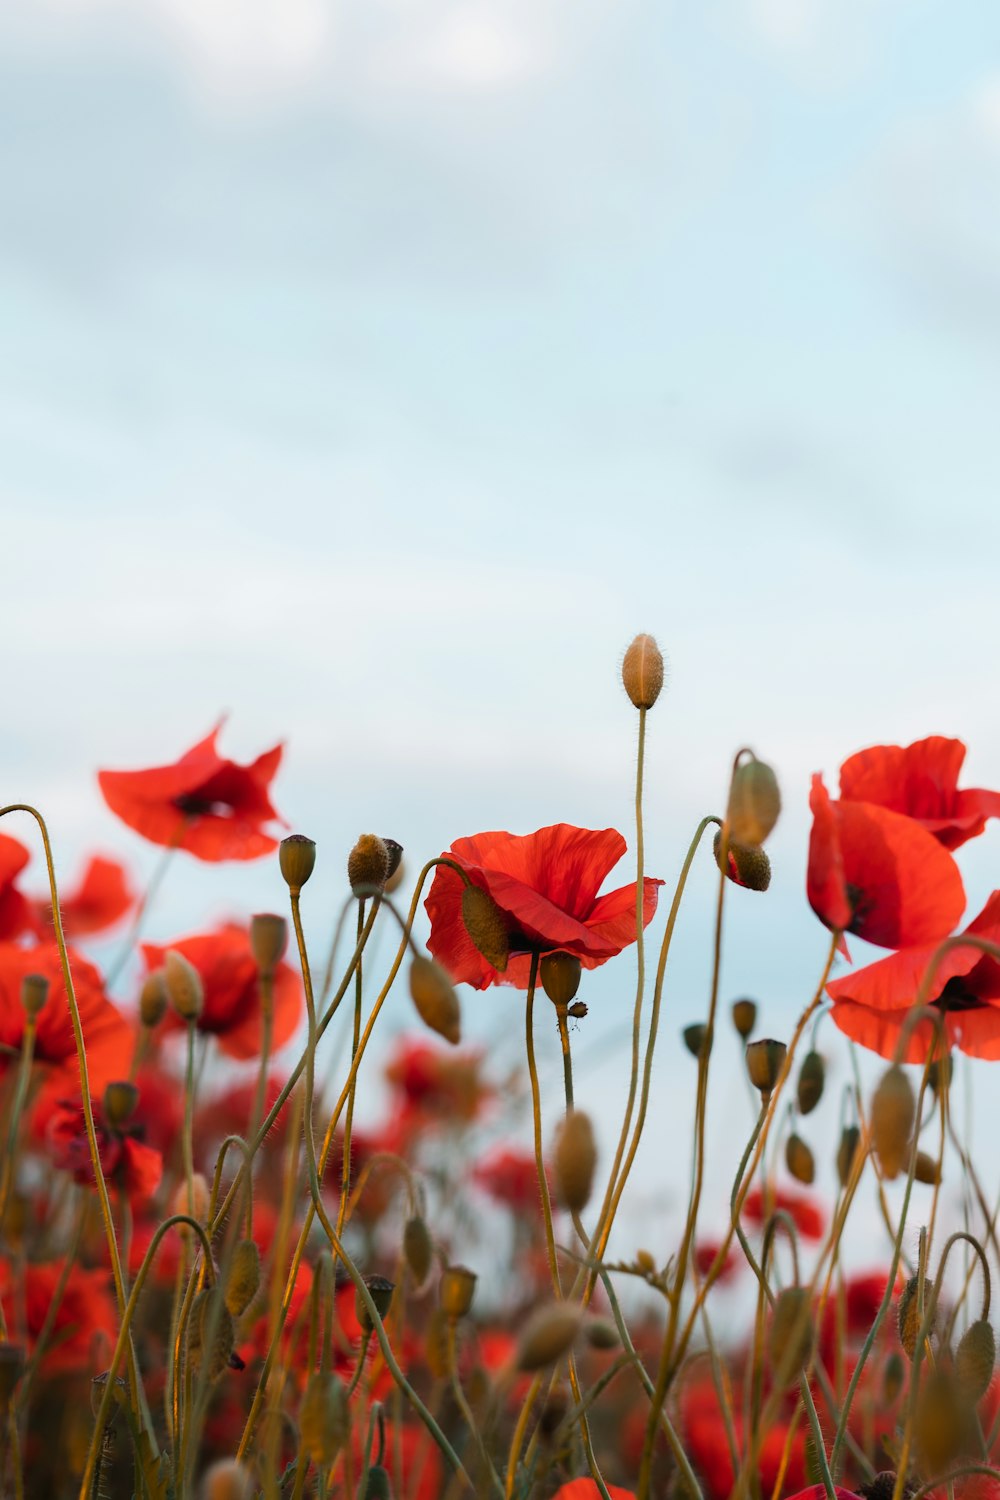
(892,1115)
(744,1016)
(642,671)
(484,922)
(380,1289)
(324,1417)
(790,1337)
(184,987)
(119,1104)
(367,864)
(847,1151)
(34,993)
(560,976)
(12,1362)
(296,860)
(809,1089)
(892,1378)
(227,1480)
(694,1037)
(435,998)
(457,1289)
(210,1333)
(908,1315)
(549,1333)
(268,940)
(745,864)
(754,802)
(799,1159)
(601,1333)
(418,1250)
(377,1486)
(974,1360)
(153,999)
(926,1169)
(939,1423)
(765,1060)
(575,1160)
(243,1280)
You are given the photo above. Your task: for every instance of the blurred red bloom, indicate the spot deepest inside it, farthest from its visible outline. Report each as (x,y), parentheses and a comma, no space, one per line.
(86,1321)
(586,1489)
(17,916)
(862,1296)
(211,807)
(805,1212)
(126,1161)
(817,1492)
(232,1010)
(101,899)
(546,885)
(508,1174)
(106,1033)
(438,1081)
(879,874)
(921,780)
(704,1258)
(872,1005)
(704,1435)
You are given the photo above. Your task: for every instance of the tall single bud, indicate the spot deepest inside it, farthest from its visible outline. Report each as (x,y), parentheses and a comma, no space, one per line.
(575,1160)
(754,802)
(268,940)
(34,994)
(296,860)
(642,671)
(765,1060)
(368,865)
(153,1000)
(435,999)
(184,988)
(892,1115)
(484,922)
(560,975)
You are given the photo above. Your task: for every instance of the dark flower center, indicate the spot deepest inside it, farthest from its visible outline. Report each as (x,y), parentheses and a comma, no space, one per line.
(199,807)
(955,997)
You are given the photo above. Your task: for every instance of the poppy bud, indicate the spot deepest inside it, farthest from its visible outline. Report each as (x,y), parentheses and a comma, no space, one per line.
(642,671)
(799,1159)
(754,802)
(377,1486)
(227,1480)
(745,864)
(184,988)
(12,1362)
(847,1151)
(941,1070)
(555,1408)
(243,1280)
(119,1104)
(790,1338)
(418,1251)
(560,976)
(458,1286)
(34,993)
(926,1169)
(549,1333)
(694,1037)
(380,1289)
(268,940)
(210,1333)
(939,1421)
(601,1333)
(974,1360)
(296,860)
(892,1115)
(645,1262)
(367,864)
(765,1060)
(485,925)
(744,1016)
(199,1195)
(435,998)
(892,1378)
(324,1417)
(809,1090)
(908,1316)
(575,1160)
(153,999)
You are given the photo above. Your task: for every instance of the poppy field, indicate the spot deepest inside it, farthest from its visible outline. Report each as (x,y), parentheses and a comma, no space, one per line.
(223,1276)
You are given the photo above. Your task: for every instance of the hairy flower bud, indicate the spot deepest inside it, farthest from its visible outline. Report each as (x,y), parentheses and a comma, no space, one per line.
(324,1417)
(754,802)
(211,1334)
(368,864)
(745,864)
(744,1016)
(418,1249)
(549,1333)
(153,999)
(892,1115)
(809,1089)
(642,671)
(296,860)
(380,1289)
(34,993)
(268,940)
(435,999)
(457,1289)
(119,1104)
(908,1315)
(243,1280)
(790,1337)
(799,1159)
(974,1360)
(765,1060)
(485,925)
(184,988)
(575,1160)
(560,976)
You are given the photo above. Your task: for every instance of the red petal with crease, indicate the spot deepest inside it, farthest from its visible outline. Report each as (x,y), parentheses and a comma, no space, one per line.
(921,781)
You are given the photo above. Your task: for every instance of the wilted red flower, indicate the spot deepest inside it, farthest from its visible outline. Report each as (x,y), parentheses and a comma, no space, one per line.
(921,780)
(229,976)
(805,1212)
(438,1081)
(586,1489)
(101,899)
(879,874)
(211,807)
(85,1327)
(126,1161)
(17,915)
(871,1005)
(545,885)
(510,1176)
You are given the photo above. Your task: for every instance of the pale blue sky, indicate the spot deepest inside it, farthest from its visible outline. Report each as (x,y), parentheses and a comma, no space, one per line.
(376,371)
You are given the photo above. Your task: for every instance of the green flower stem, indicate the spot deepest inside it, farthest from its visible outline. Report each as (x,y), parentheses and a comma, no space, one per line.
(266,1041)
(467,1414)
(345,1163)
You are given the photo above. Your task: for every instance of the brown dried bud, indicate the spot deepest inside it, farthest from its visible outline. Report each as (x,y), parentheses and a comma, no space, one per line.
(153,999)
(809,1089)
(575,1160)
(940,1419)
(435,998)
(324,1417)
(380,1289)
(243,1280)
(12,1362)
(418,1249)
(486,927)
(268,940)
(847,1153)
(790,1338)
(457,1289)
(549,1333)
(210,1333)
(119,1104)
(765,1060)
(34,993)
(926,1169)
(184,987)
(227,1480)
(560,976)
(694,1037)
(296,860)
(799,1159)
(367,865)
(754,802)
(892,1115)
(642,671)
(744,1016)
(746,864)
(974,1360)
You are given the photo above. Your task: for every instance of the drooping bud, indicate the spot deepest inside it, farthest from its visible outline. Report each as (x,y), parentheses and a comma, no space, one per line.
(153,999)
(549,1333)
(418,1250)
(324,1417)
(268,940)
(211,1334)
(892,1115)
(296,860)
(243,1280)
(694,1037)
(926,1169)
(799,1159)
(457,1289)
(809,1089)
(34,993)
(435,998)
(119,1104)
(560,976)
(642,671)
(974,1360)
(940,1419)
(485,925)
(790,1338)
(765,1060)
(367,864)
(184,987)
(744,1016)
(575,1160)
(847,1152)
(12,1362)
(227,1480)
(745,864)
(754,802)
(380,1289)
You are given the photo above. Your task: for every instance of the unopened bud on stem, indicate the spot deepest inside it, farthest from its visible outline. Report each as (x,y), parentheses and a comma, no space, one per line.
(642,671)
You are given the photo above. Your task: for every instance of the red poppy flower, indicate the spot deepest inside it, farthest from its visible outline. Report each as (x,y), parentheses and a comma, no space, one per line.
(586,1489)
(704,1259)
(817,1492)
(704,1435)
(510,1176)
(107,1035)
(871,1005)
(126,1161)
(211,807)
(85,1327)
(101,899)
(921,780)
(232,1009)
(879,874)
(16,913)
(442,1085)
(805,1213)
(546,885)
